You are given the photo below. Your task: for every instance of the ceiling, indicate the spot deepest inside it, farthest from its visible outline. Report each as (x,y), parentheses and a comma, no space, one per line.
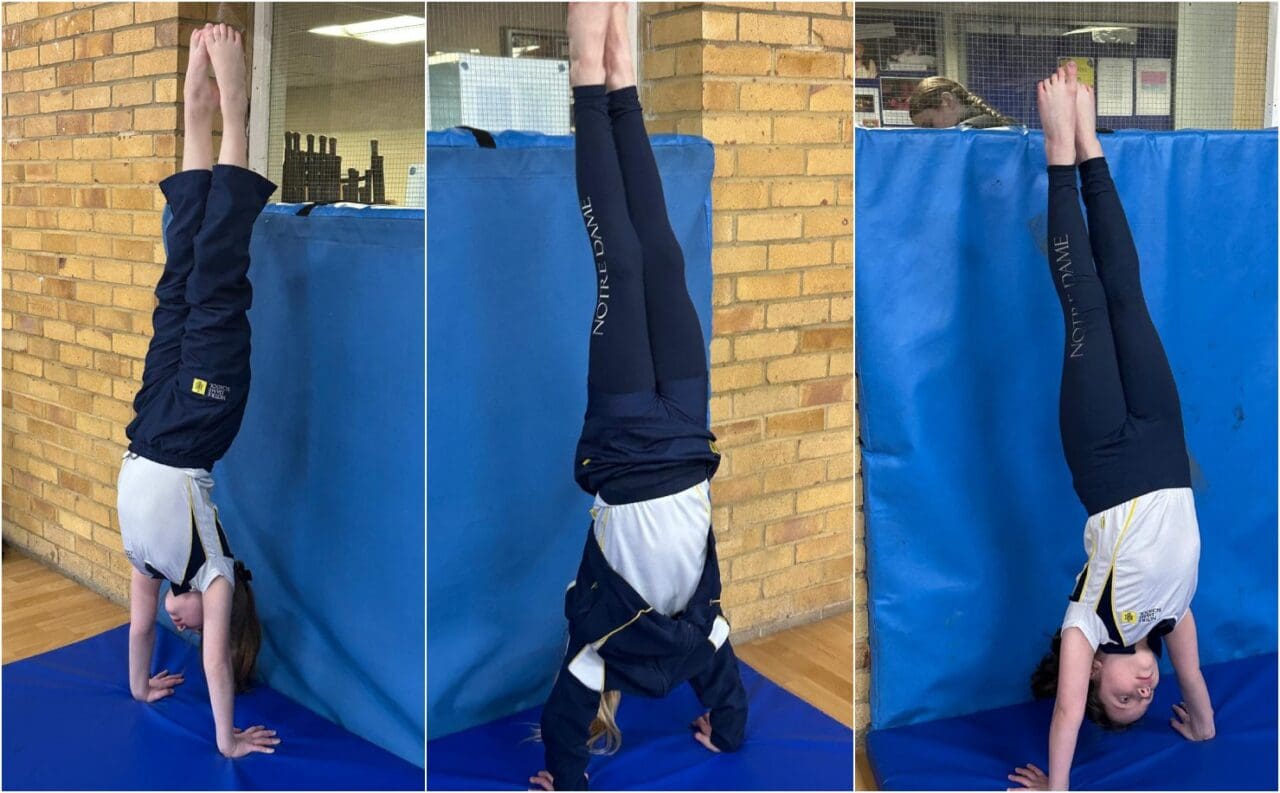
(309,60)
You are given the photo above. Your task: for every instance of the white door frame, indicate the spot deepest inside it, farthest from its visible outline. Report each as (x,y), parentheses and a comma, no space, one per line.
(1271,116)
(260,87)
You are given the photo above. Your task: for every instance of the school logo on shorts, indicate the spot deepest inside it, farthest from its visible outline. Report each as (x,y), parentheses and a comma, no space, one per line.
(1129,617)
(207,389)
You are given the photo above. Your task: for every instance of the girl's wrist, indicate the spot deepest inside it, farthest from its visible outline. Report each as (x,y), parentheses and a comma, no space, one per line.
(226,743)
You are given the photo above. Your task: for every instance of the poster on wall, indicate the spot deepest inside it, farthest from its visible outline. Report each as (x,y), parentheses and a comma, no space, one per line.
(1154,86)
(1084,69)
(1115,87)
(896,95)
(866,106)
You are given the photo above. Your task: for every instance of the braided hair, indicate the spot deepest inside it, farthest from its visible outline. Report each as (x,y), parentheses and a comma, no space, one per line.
(929,92)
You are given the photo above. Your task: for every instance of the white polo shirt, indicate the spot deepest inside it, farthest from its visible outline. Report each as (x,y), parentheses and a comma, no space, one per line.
(1144,557)
(169,523)
(659,546)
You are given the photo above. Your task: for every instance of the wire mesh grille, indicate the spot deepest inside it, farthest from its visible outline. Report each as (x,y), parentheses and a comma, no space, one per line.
(347,102)
(1155,66)
(498,66)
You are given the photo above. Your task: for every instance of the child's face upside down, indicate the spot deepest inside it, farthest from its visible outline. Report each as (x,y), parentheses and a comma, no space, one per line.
(186,610)
(1126,683)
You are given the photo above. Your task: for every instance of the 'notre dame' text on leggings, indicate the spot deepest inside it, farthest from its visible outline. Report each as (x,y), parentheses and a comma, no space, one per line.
(1119,413)
(645,433)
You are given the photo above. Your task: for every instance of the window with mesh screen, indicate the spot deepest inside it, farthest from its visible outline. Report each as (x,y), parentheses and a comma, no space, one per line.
(347,102)
(498,66)
(1156,66)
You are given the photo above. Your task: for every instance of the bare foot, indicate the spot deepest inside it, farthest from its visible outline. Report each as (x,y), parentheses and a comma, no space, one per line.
(1087,144)
(226,51)
(200,92)
(587,26)
(1056,98)
(620,69)
(702,732)
(199,103)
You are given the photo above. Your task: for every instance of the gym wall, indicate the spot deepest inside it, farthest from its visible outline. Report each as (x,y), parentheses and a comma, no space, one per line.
(768,85)
(91,125)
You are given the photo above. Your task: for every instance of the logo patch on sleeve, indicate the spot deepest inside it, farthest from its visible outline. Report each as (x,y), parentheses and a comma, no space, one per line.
(210,390)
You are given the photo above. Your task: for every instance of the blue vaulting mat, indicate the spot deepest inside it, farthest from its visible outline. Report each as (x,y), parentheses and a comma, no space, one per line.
(790,745)
(974,535)
(509,298)
(978,751)
(70,724)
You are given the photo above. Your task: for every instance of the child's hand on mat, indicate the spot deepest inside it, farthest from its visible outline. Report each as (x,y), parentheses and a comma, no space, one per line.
(161,686)
(253,739)
(1190,725)
(1030,778)
(544,781)
(702,731)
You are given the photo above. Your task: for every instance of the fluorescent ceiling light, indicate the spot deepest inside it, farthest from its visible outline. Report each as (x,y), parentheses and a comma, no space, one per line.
(392,30)
(1108,34)
(1097,29)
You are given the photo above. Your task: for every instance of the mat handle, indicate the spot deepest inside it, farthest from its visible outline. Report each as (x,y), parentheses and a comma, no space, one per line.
(483,138)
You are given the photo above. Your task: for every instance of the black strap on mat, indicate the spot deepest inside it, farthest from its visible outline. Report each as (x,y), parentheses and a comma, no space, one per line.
(483,139)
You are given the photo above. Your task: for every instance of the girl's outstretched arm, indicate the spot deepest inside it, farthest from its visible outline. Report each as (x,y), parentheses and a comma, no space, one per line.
(1074,666)
(144,594)
(566,726)
(215,650)
(216,653)
(719,688)
(1193,717)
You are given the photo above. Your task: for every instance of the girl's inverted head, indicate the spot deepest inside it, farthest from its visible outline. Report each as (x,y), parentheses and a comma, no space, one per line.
(939,102)
(1121,687)
(187,612)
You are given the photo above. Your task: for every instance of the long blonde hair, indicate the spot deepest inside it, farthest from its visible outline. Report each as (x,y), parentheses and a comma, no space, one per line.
(928,95)
(603,727)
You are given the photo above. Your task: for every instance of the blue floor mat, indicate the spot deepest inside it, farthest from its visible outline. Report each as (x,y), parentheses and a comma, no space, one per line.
(790,746)
(70,724)
(978,751)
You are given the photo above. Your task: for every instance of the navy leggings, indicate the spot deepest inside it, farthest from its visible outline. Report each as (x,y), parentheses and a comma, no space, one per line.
(195,380)
(1119,413)
(646,340)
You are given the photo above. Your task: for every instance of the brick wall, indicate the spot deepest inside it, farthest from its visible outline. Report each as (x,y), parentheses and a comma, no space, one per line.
(771,86)
(92,122)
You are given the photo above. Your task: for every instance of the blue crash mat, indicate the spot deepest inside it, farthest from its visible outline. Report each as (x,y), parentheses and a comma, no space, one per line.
(70,724)
(978,751)
(974,536)
(790,746)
